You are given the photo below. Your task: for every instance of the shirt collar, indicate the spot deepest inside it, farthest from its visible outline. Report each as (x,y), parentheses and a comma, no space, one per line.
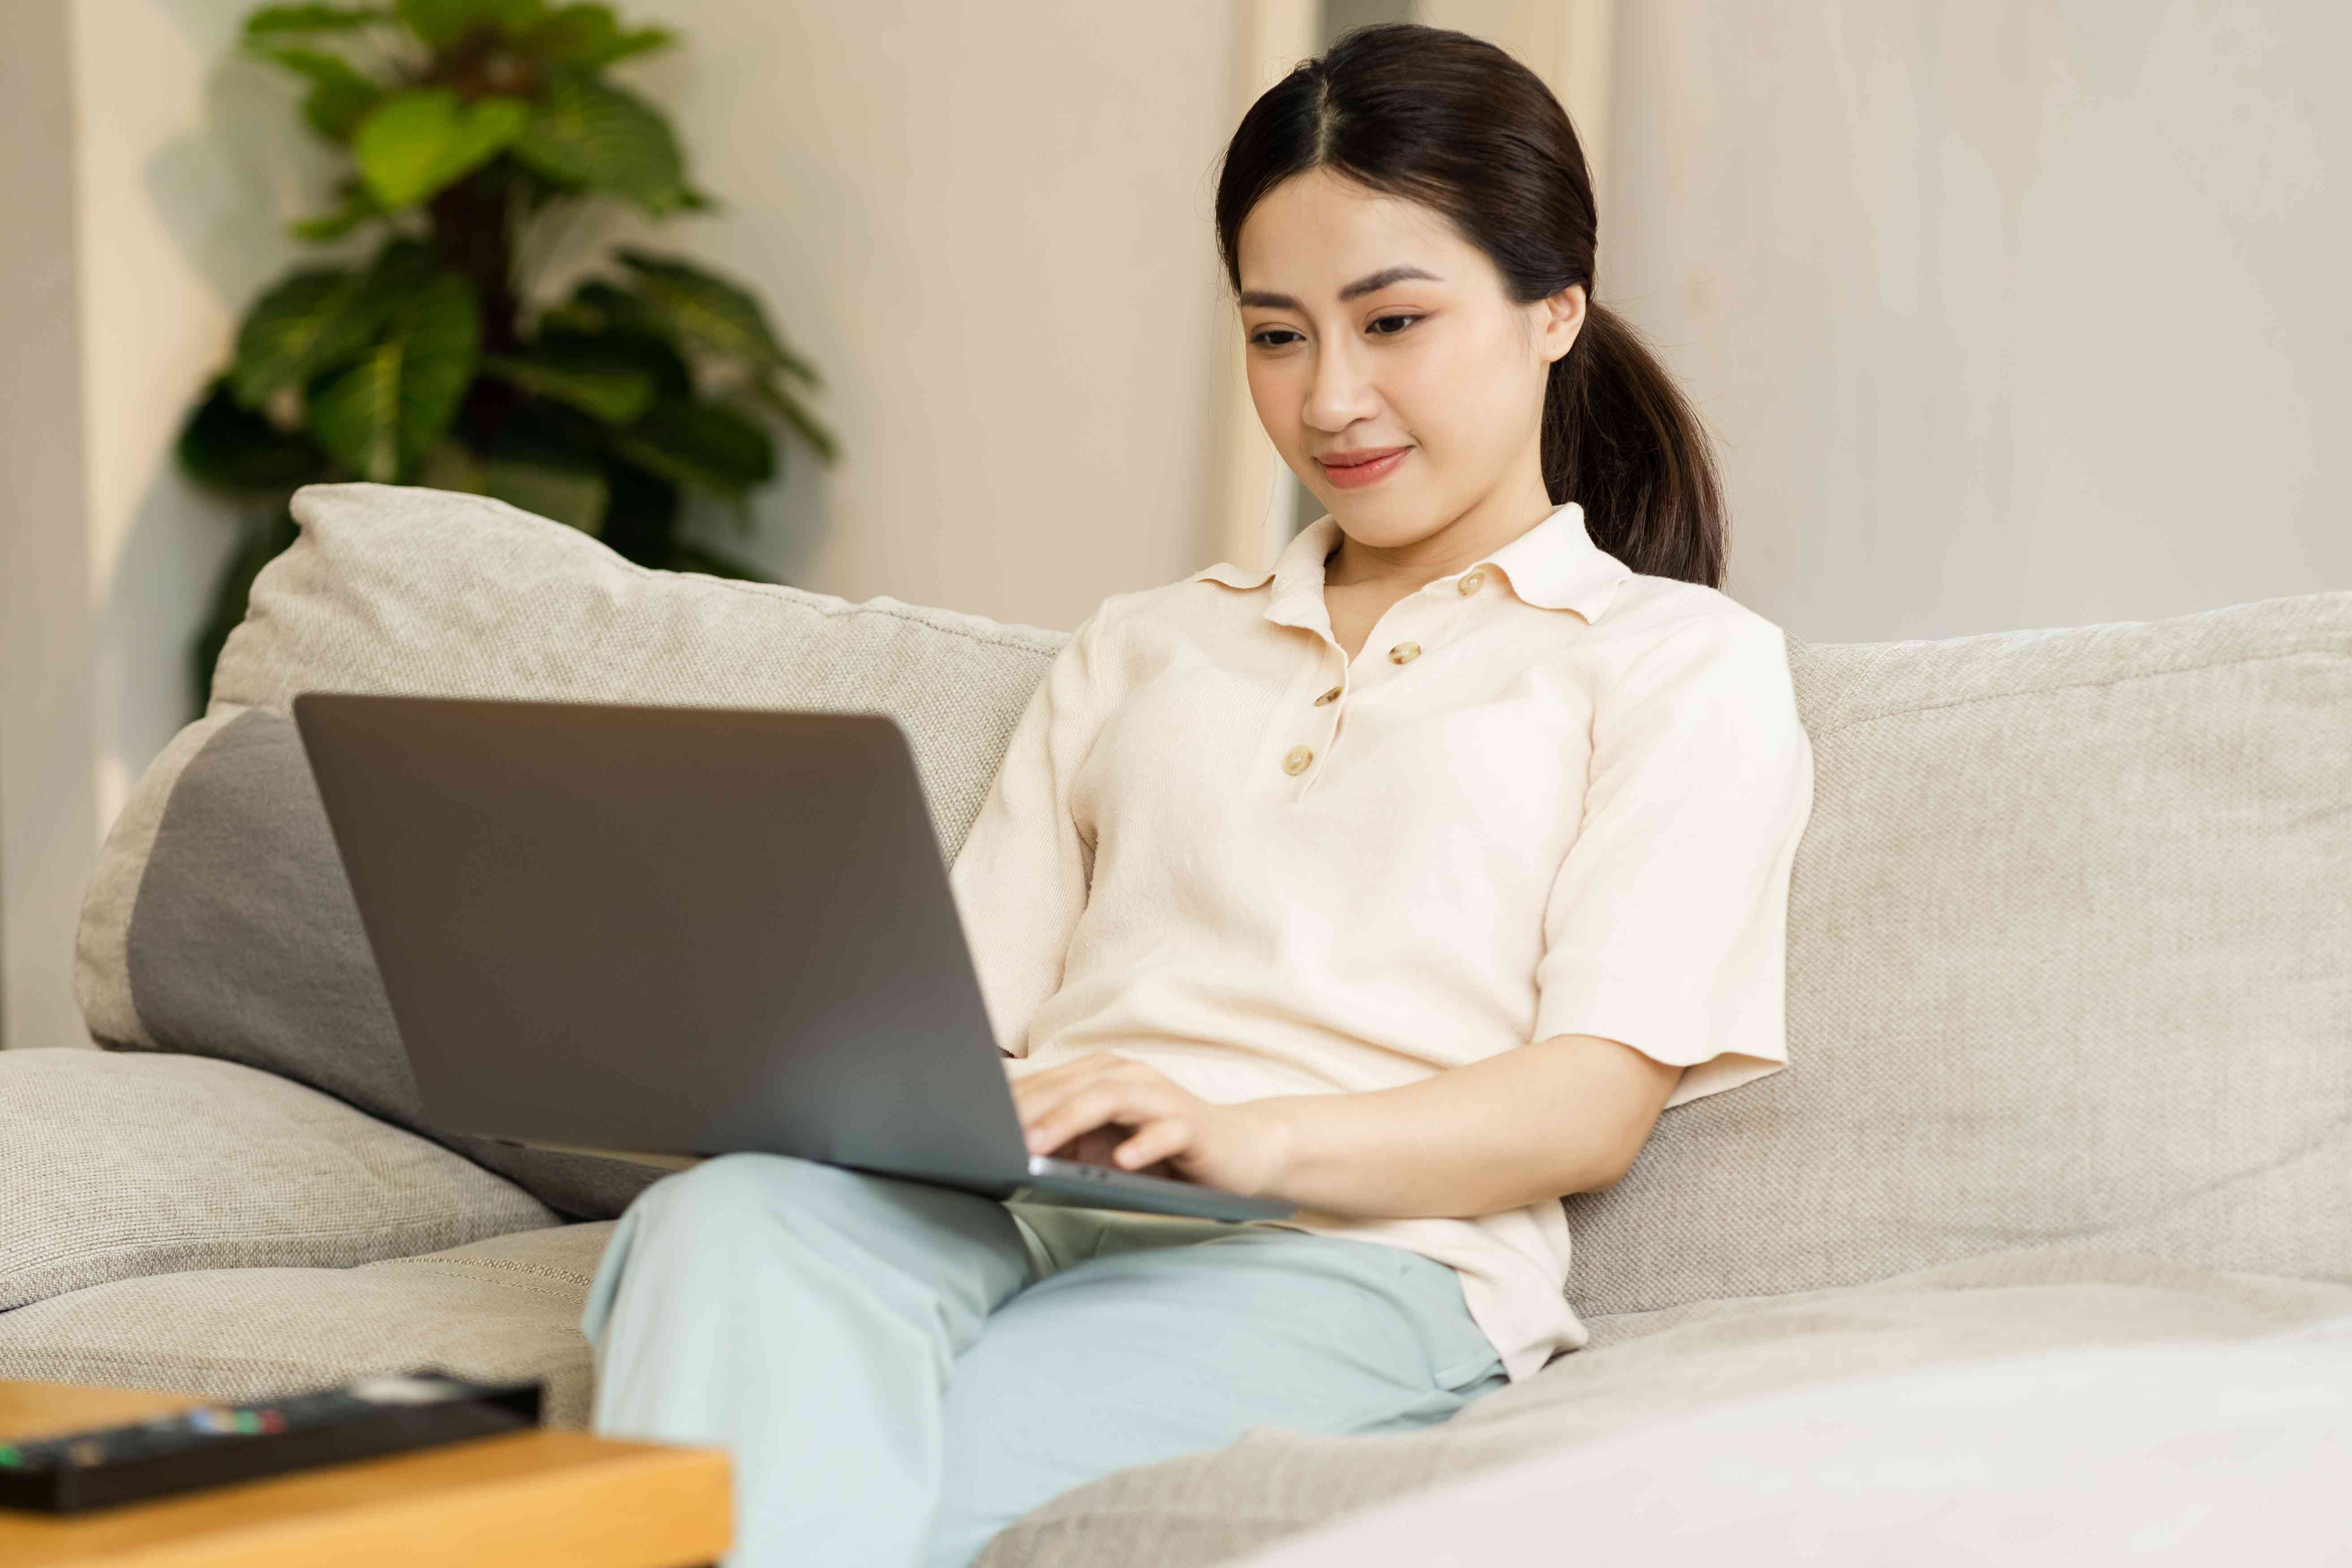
(1554,565)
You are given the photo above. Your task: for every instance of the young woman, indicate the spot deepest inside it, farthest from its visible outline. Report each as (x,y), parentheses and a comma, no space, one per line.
(1409,881)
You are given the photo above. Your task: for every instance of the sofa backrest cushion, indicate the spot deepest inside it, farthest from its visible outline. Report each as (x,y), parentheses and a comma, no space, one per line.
(2070,961)
(219,921)
(2071,929)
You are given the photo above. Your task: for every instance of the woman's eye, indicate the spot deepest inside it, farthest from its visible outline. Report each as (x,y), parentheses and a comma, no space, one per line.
(1408,321)
(1266,339)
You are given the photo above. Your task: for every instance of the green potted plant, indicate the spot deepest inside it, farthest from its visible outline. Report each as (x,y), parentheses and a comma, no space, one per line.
(467,123)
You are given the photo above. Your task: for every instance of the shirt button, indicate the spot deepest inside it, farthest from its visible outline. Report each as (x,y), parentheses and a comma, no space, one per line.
(1296,762)
(1471,585)
(1404,653)
(1331,696)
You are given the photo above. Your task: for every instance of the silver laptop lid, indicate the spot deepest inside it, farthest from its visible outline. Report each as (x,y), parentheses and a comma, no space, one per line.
(666,928)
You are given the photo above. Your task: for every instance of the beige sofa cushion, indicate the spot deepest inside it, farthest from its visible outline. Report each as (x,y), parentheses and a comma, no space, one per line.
(505,1308)
(118,1167)
(2070,961)
(1207,1507)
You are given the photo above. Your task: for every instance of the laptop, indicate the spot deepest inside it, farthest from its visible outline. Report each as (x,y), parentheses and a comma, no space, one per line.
(666,934)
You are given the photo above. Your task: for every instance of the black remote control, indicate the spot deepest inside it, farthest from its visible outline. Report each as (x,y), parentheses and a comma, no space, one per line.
(216,1443)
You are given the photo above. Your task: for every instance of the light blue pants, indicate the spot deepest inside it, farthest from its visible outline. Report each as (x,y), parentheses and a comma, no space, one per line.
(900,1370)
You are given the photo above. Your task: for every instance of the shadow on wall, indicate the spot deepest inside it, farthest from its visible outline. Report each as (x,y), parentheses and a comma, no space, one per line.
(222,192)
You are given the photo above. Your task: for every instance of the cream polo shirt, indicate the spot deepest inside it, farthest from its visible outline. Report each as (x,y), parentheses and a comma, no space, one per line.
(1550,796)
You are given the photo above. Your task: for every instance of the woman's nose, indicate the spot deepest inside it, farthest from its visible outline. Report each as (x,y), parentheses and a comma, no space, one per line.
(1340,391)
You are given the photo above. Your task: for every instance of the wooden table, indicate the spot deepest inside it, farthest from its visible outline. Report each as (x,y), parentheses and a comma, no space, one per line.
(522,1500)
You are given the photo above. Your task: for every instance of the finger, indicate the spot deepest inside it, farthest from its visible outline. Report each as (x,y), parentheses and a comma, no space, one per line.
(1092,1148)
(1097,1105)
(1159,1140)
(1039,1095)
(1049,1083)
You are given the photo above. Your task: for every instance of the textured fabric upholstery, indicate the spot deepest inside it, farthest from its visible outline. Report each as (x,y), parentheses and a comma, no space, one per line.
(423,591)
(245,944)
(117,1167)
(2070,960)
(505,1308)
(252,948)
(1201,1509)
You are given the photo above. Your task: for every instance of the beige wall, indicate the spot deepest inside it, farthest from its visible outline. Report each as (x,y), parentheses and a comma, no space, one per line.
(2011,314)
(47,814)
(990,226)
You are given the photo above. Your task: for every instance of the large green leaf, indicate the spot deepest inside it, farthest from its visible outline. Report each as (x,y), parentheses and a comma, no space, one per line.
(229,446)
(703,445)
(382,415)
(442,23)
(591,135)
(605,386)
(416,143)
(356,416)
(589,37)
(705,311)
(788,408)
(601,326)
(320,317)
(271,22)
(316,317)
(340,96)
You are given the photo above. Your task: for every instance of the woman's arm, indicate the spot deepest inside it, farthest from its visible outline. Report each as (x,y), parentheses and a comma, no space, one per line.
(1563,1115)
(1020,876)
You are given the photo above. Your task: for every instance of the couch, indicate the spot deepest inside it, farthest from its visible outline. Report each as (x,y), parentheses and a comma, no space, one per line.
(2070,1008)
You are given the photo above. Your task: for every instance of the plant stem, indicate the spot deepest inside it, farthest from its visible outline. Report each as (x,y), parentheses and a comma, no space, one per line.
(470,238)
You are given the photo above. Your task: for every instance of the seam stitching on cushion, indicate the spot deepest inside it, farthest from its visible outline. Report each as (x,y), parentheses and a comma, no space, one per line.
(1036,642)
(765,591)
(1846,725)
(495,1266)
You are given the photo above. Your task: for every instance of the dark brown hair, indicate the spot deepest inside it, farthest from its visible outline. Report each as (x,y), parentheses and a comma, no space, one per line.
(1454,123)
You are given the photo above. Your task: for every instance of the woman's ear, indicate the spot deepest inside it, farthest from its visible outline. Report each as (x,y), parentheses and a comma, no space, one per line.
(1558,319)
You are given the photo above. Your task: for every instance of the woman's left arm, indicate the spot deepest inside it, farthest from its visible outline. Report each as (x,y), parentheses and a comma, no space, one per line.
(1563,1115)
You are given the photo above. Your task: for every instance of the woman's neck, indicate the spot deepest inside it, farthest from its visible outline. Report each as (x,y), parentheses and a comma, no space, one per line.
(1403,568)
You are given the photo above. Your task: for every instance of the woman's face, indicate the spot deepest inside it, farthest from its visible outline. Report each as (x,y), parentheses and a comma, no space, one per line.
(1432,360)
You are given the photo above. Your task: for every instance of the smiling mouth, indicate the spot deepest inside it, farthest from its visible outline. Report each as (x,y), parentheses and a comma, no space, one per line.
(1362,468)
(1358,460)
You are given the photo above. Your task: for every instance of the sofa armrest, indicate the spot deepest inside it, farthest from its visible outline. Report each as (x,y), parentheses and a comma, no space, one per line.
(114,1166)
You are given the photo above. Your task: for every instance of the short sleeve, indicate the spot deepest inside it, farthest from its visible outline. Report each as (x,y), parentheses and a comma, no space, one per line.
(1021,878)
(1666,927)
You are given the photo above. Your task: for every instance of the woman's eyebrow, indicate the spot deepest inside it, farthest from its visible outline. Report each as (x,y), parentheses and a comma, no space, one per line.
(1364,285)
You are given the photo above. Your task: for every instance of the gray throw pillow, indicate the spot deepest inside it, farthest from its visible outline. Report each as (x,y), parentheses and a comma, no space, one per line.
(245,943)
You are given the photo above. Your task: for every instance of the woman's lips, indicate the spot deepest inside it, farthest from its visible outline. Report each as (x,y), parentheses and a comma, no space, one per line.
(1352,476)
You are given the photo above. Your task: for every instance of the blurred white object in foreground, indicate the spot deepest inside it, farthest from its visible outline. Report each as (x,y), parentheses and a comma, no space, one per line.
(2187,1453)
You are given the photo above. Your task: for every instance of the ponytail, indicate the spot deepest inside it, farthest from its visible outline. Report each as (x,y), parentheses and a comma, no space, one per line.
(1449,120)
(1621,441)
